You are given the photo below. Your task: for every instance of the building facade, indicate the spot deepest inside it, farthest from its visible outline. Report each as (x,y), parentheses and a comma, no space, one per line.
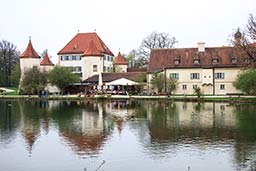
(29,59)
(212,69)
(87,55)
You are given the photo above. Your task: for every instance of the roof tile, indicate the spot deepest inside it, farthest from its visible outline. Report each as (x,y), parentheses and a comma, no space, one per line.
(29,52)
(107,77)
(92,50)
(119,60)
(46,61)
(185,57)
(80,43)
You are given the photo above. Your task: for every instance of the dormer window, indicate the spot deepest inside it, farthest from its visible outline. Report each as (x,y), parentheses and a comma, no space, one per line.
(247,60)
(196,61)
(176,61)
(215,61)
(233,60)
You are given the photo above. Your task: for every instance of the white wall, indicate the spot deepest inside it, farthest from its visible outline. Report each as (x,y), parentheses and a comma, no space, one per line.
(205,82)
(88,63)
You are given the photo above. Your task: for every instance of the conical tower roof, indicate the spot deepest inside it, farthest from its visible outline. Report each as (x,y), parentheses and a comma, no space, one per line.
(29,52)
(46,61)
(119,60)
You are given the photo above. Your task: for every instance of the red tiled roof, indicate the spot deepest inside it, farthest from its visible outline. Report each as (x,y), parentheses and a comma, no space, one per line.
(92,50)
(29,52)
(108,77)
(165,58)
(119,60)
(46,60)
(80,43)
(82,144)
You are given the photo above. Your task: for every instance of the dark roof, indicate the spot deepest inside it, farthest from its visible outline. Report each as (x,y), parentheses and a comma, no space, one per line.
(165,58)
(108,77)
(80,43)
(136,69)
(46,61)
(29,52)
(119,60)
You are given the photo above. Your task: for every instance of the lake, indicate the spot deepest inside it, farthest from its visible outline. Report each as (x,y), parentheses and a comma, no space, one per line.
(126,135)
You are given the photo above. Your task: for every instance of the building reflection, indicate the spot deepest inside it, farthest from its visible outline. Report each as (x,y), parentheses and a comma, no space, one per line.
(202,125)
(29,123)
(160,126)
(86,132)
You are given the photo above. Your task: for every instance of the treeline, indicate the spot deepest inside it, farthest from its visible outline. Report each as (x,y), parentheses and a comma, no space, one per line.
(9,64)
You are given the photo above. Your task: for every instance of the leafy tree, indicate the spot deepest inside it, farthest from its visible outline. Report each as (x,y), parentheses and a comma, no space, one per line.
(62,77)
(15,75)
(158,81)
(246,82)
(9,57)
(198,92)
(154,41)
(131,58)
(33,81)
(141,77)
(172,85)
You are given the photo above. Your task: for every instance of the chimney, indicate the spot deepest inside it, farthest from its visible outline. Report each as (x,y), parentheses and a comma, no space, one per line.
(201,46)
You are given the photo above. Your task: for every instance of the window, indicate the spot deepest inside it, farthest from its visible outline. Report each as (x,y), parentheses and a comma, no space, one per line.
(222,107)
(219,75)
(176,61)
(95,69)
(247,60)
(78,58)
(78,69)
(194,76)
(61,58)
(73,57)
(108,58)
(222,86)
(194,86)
(105,69)
(196,61)
(184,87)
(174,75)
(66,58)
(215,61)
(233,60)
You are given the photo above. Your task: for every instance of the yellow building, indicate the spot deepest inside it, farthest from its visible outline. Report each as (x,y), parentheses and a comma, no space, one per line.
(213,69)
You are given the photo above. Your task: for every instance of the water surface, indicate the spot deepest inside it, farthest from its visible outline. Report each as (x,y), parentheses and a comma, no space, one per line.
(125,135)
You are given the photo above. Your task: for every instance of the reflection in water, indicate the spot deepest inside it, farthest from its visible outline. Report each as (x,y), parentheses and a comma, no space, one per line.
(163,129)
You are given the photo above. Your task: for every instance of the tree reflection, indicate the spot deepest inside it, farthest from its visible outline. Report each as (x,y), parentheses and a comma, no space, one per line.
(9,121)
(245,139)
(161,127)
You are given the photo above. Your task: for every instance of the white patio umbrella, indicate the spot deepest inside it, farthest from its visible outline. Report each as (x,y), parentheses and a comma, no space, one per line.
(122,81)
(100,82)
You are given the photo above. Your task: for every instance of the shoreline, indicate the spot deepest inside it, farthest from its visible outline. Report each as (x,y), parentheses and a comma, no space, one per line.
(219,98)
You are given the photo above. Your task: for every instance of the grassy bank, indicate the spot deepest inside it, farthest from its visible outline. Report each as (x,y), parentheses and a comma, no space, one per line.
(241,99)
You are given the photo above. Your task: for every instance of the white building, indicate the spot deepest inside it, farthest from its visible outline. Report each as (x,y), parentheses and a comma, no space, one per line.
(87,54)
(29,59)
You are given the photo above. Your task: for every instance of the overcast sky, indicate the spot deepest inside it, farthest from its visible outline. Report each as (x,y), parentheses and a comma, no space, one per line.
(121,24)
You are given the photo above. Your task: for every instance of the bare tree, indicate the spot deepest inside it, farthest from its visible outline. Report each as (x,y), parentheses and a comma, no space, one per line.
(154,41)
(9,56)
(251,27)
(246,41)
